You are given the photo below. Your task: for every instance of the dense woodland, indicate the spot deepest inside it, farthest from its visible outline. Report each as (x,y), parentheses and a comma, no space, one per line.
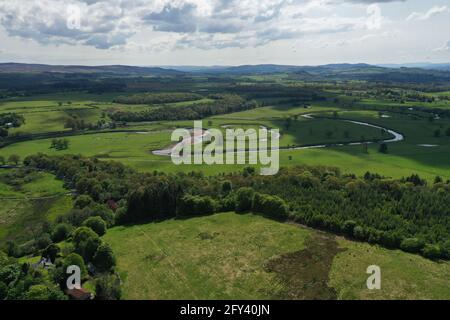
(222,104)
(151,98)
(406,214)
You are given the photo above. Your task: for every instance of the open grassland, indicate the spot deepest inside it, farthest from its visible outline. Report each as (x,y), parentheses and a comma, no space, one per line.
(274,112)
(230,256)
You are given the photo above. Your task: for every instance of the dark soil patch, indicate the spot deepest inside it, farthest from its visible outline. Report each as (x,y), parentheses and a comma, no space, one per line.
(303,275)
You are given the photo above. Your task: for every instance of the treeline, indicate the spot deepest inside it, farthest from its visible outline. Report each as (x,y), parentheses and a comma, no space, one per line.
(222,104)
(405,214)
(152,98)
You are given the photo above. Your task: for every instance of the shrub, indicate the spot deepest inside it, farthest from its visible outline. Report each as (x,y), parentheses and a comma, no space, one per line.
(360,233)
(196,205)
(348,226)
(432,252)
(270,205)
(412,245)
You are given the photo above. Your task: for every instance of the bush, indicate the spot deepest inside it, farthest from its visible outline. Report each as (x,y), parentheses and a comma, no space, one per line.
(432,252)
(446,249)
(390,239)
(348,226)
(360,233)
(44,292)
(412,245)
(270,205)
(97,224)
(196,205)
(244,199)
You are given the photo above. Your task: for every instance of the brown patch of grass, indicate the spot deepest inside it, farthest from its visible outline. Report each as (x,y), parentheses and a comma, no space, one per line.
(303,275)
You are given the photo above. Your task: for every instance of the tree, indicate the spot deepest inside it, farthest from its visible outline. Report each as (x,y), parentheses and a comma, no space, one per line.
(432,252)
(44,292)
(227,187)
(348,227)
(51,252)
(287,122)
(14,158)
(383,148)
(107,287)
(74,259)
(412,245)
(447,132)
(86,242)
(60,232)
(3,132)
(446,249)
(97,224)
(359,233)
(244,199)
(104,258)
(437,133)
(438,179)
(83,201)
(12,249)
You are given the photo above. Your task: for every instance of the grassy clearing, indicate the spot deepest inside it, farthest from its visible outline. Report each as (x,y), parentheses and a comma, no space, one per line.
(215,257)
(27,204)
(404,276)
(230,256)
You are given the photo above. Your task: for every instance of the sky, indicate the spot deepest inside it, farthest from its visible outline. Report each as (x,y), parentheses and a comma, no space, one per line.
(224,32)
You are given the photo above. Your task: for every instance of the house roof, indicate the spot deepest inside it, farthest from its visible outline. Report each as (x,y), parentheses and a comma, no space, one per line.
(79,294)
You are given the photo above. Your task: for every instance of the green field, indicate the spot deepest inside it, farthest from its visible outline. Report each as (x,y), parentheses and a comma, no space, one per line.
(230,256)
(24,205)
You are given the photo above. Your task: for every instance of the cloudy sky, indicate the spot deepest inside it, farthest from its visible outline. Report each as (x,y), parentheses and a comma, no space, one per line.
(224,32)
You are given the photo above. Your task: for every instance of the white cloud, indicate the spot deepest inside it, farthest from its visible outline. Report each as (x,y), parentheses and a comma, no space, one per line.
(427,15)
(106,24)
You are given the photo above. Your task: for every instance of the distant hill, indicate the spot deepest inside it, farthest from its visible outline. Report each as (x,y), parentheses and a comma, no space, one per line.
(439,73)
(421,65)
(113,69)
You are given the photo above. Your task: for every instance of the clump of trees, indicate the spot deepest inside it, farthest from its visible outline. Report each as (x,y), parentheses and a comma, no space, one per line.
(151,98)
(221,104)
(59,144)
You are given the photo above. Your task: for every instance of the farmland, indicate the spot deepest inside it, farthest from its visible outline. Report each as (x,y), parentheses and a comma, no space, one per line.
(366,163)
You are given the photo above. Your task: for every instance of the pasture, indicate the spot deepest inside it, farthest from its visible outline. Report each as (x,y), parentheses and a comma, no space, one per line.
(231,256)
